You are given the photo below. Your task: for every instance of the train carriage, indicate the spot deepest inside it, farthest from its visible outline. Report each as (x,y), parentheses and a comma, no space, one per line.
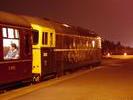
(75,47)
(42,49)
(59,47)
(15,49)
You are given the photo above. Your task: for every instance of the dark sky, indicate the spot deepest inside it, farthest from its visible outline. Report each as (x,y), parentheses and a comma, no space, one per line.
(112,19)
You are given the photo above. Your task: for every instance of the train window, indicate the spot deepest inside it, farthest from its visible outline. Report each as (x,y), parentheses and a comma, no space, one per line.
(16,34)
(35,36)
(93,43)
(87,43)
(99,42)
(45,38)
(51,38)
(10,33)
(27,44)
(10,44)
(4,31)
(74,44)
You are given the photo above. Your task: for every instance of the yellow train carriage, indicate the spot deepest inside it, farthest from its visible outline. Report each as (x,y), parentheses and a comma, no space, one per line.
(43,44)
(46,41)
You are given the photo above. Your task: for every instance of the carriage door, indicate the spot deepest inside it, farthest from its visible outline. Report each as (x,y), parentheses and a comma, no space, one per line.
(47,54)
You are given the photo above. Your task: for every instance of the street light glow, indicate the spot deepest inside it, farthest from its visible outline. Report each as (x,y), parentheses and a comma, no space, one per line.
(65,25)
(125,54)
(108,55)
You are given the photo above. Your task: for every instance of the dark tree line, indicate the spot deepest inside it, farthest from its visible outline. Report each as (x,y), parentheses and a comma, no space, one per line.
(115,48)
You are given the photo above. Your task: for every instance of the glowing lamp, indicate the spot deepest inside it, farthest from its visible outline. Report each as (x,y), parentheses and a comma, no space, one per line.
(125,54)
(108,54)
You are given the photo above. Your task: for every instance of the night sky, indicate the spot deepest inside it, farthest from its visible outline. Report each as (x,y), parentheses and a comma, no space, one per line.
(112,19)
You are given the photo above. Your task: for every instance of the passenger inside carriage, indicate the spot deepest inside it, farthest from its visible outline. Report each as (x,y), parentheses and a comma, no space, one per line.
(13,52)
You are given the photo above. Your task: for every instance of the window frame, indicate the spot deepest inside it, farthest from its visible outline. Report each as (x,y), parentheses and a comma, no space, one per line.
(11,39)
(45,38)
(51,39)
(35,32)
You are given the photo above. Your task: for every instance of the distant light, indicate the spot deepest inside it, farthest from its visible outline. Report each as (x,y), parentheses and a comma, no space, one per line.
(65,25)
(99,38)
(108,54)
(125,54)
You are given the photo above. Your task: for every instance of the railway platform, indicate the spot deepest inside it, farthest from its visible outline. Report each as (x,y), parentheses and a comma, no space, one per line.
(112,80)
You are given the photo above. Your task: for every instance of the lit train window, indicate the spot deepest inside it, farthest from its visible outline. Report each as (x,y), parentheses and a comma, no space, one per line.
(87,43)
(10,44)
(4,31)
(99,42)
(10,33)
(16,34)
(93,43)
(74,44)
(45,38)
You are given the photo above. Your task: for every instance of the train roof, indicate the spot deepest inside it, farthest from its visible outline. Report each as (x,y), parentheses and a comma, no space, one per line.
(69,29)
(13,19)
(60,27)
(63,28)
(38,21)
(46,23)
(86,32)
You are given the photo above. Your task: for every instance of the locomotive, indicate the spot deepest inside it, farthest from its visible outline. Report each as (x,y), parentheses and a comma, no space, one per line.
(45,48)
(58,47)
